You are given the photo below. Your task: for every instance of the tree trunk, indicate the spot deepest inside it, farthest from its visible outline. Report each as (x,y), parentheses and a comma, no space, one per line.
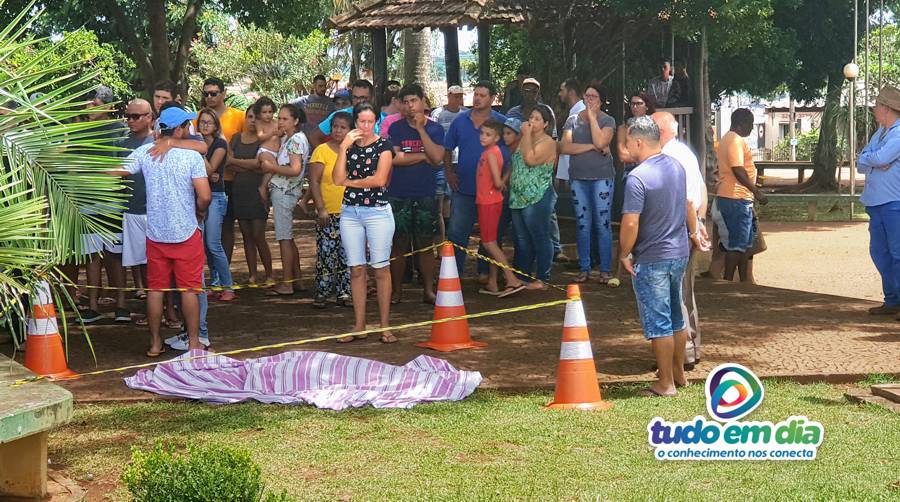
(700,120)
(826,155)
(355,49)
(159,38)
(185,40)
(417,58)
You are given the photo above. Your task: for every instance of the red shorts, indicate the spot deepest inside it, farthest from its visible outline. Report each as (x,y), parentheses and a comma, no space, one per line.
(489,220)
(184,259)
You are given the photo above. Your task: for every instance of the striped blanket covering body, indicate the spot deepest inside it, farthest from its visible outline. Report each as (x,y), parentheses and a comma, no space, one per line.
(322,379)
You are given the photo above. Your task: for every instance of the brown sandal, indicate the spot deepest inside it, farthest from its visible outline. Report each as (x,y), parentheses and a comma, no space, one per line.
(388,338)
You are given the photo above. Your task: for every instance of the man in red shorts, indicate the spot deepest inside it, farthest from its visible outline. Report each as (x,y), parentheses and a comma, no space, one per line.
(178,194)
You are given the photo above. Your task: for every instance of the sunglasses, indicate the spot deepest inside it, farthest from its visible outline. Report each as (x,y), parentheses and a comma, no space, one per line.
(135,116)
(210,94)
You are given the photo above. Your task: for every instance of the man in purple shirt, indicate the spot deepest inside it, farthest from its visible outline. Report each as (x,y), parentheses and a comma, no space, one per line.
(657,221)
(419,146)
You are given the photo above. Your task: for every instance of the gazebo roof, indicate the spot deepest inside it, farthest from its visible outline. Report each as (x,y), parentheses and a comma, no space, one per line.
(419,14)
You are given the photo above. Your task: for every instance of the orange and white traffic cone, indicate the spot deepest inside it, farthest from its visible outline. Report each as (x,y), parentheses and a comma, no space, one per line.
(576,379)
(451,335)
(43,347)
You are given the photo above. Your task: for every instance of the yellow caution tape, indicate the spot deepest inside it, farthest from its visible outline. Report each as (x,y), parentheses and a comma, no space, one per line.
(305,341)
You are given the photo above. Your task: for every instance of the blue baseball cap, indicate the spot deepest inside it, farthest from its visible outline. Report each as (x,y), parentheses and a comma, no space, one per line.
(514,124)
(174,116)
(342,93)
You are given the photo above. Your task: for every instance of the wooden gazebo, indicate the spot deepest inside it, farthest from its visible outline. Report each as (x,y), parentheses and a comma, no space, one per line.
(376,16)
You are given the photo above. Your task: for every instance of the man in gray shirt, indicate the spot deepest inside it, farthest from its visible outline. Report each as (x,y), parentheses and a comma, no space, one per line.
(657,220)
(139,118)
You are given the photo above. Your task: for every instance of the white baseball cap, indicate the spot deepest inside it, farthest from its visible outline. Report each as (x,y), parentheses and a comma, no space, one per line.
(455,89)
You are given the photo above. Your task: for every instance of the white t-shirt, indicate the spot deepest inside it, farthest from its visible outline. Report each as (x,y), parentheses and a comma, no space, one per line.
(692,175)
(171,203)
(562,166)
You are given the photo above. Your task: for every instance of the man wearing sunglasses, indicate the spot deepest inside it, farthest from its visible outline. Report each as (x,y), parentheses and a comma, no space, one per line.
(139,119)
(232,122)
(231,119)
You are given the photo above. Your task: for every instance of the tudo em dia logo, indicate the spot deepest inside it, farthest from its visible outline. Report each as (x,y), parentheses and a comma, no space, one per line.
(732,393)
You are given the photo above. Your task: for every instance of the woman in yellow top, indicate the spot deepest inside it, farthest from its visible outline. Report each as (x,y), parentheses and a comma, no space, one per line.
(332,273)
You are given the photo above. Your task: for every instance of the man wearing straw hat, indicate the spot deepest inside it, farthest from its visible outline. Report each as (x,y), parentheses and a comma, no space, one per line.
(880,162)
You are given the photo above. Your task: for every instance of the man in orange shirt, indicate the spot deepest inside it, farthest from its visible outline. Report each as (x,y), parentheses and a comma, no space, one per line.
(735,195)
(232,122)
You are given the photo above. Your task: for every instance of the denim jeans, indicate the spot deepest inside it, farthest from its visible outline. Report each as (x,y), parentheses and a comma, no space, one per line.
(657,287)
(220,274)
(592,201)
(204,303)
(884,248)
(533,231)
(462,218)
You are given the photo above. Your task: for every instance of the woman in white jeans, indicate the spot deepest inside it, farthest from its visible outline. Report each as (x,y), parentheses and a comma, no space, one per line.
(367,222)
(285,171)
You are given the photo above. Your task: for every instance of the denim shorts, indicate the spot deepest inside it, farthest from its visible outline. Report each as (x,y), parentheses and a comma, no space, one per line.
(657,286)
(734,221)
(283,204)
(367,227)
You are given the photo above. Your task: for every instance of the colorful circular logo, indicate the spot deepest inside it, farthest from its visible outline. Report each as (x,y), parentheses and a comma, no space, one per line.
(732,392)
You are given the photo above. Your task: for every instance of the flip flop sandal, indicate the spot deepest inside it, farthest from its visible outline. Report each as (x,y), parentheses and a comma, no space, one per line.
(273,292)
(142,322)
(511,290)
(162,351)
(582,277)
(174,324)
(345,339)
(649,392)
(485,291)
(388,339)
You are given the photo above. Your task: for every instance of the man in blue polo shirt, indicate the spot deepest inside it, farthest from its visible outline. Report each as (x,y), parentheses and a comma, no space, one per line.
(419,144)
(465,134)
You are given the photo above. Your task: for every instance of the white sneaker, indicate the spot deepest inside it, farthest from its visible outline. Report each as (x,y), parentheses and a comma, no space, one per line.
(182,343)
(174,339)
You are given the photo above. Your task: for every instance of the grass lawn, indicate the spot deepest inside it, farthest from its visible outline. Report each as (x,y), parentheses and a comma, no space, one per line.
(496,446)
(838,210)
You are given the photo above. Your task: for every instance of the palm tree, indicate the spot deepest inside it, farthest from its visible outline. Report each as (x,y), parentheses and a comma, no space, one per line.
(52,168)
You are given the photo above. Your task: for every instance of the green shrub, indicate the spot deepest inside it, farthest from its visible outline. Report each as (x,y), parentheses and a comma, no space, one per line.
(202,474)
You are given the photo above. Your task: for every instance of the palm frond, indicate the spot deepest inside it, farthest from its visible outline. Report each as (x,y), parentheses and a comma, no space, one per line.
(54,181)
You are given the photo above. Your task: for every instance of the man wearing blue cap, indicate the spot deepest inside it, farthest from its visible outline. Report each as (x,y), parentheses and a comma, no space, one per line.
(178,194)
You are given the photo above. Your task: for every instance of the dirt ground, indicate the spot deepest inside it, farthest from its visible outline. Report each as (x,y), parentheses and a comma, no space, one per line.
(805,319)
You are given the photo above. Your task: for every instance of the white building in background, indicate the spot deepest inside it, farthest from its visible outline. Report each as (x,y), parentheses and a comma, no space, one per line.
(771,120)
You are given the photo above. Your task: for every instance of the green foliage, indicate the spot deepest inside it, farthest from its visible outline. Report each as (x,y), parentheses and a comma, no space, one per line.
(806,146)
(890,69)
(56,162)
(209,473)
(113,68)
(276,65)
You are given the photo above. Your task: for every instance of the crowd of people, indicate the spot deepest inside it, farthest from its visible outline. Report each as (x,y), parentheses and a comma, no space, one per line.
(380,182)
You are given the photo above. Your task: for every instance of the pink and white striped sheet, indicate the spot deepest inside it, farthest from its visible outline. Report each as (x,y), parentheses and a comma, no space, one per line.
(322,379)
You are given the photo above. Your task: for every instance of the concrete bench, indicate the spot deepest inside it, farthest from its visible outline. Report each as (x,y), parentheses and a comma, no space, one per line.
(27,413)
(812,200)
(799,166)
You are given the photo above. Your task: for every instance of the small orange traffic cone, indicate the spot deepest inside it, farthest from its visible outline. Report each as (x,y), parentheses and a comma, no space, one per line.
(576,379)
(43,347)
(451,335)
